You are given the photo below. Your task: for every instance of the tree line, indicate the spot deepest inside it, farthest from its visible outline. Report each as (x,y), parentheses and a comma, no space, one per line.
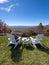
(4,28)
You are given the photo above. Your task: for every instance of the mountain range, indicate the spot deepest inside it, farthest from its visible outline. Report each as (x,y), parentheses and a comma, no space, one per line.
(26,27)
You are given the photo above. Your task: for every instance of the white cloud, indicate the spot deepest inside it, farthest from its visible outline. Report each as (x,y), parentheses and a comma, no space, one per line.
(7,9)
(3,1)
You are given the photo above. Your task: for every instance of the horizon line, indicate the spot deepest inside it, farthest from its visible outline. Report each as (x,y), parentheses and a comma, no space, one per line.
(28,25)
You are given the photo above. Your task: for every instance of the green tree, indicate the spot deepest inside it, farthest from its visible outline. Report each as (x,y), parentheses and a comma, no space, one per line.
(40,27)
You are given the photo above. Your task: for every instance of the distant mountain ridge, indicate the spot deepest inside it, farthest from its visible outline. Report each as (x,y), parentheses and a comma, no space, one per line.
(20,27)
(26,27)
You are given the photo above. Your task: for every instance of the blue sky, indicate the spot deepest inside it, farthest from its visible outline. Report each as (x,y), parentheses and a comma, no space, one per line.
(24,12)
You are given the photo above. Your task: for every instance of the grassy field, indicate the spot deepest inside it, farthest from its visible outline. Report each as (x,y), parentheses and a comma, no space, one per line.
(27,55)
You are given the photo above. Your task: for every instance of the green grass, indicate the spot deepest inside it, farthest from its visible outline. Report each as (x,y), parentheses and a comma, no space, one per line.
(27,55)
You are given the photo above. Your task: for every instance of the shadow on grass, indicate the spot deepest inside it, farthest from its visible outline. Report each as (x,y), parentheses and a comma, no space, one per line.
(43,48)
(28,47)
(16,54)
